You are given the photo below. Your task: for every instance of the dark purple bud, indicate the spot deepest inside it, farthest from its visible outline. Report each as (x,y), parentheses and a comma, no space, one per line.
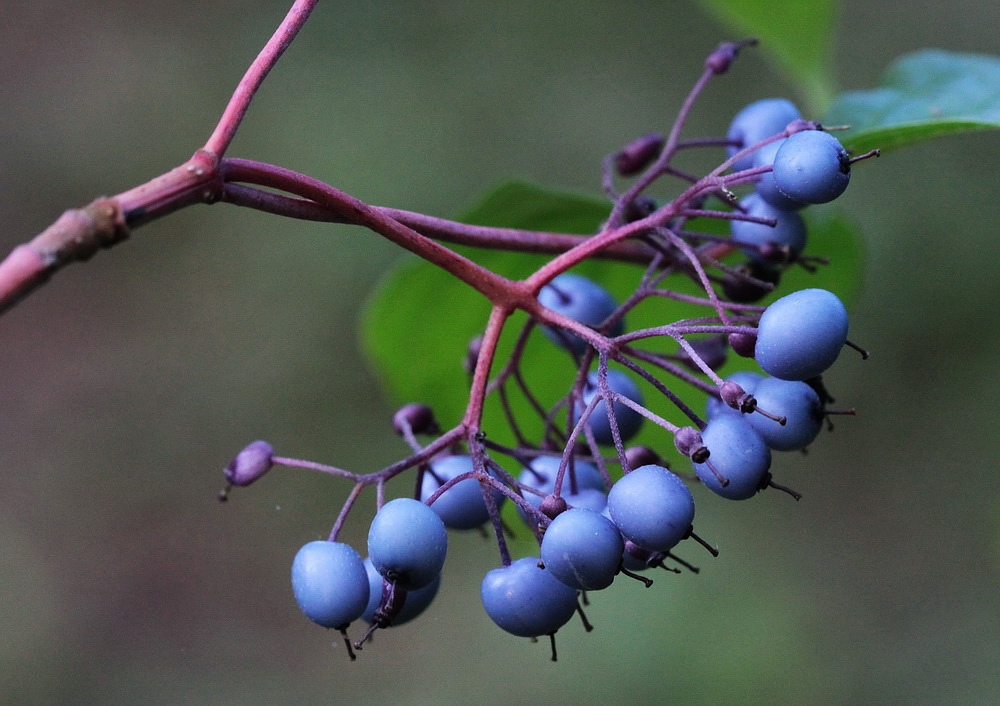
(552,506)
(743,343)
(418,418)
(638,154)
(250,464)
(688,441)
(719,61)
(638,456)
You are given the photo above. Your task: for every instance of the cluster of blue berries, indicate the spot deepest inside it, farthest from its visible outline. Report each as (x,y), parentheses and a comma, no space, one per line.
(597,508)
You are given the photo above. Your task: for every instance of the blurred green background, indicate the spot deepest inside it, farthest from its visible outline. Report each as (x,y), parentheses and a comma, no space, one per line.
(130,381)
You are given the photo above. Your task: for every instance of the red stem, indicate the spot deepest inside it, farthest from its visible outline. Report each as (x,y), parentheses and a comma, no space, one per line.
(237,107)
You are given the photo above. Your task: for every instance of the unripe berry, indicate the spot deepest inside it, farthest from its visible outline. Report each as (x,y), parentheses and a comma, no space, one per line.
(250,464)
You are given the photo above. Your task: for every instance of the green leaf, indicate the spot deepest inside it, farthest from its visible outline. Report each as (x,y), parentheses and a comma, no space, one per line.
(420,319)
(521,204)
(797,35)
(930,93)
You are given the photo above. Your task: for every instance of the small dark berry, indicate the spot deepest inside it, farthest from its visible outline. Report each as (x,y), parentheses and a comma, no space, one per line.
(418,418)
(638,154)
(637,456)
(552,506)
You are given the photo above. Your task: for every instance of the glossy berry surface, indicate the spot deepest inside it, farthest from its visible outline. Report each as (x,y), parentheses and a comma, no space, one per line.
(461,506)
(330,583)
(407,543)
(798,403)
(800,335)
(525,600)
(652,507)
(738,454)
(583,549)
(788,233)
(629,421)
(758,121)
(582,300)
(416,602)
(812,166)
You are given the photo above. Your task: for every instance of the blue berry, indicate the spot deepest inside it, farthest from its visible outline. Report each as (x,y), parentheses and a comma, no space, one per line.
(812,166)
(526,600)
(583,549)
(758,121)
(414,604)
(800,335)
(788,233)
(407,543)
(764,186)
(462,505)
(739,460)
(580,299)
(330,583)
(629,421)
(588,499)
(652,507)
(798,403)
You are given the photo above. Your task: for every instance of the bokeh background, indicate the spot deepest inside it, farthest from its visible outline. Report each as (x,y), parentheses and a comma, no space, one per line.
(129,382)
